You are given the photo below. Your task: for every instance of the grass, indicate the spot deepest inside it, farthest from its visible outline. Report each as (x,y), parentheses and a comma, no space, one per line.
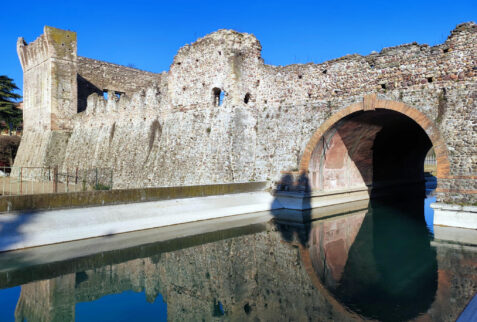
(100,186)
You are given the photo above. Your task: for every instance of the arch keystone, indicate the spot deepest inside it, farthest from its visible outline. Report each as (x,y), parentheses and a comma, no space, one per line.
(369,102)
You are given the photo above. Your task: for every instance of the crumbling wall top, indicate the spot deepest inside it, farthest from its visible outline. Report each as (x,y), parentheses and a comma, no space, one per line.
(225,38)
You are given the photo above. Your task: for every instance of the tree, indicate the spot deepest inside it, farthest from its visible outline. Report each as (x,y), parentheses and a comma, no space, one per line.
(11,115)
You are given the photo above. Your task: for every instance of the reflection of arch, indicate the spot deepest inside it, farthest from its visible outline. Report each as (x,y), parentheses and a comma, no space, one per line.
(338,306)
(371,103)
(340,224)
(360,264)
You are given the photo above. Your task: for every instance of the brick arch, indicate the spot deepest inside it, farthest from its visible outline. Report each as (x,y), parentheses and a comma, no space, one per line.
(370,103)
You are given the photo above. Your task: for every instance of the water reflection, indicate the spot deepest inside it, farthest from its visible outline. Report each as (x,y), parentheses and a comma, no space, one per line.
(380,263)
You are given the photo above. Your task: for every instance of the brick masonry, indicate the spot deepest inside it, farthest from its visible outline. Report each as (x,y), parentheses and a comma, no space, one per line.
(166,130)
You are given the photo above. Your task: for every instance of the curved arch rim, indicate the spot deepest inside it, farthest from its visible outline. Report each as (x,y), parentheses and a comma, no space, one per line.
(443,165)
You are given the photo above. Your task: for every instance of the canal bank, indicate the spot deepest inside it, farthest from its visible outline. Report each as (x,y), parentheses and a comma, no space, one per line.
(248,267)
(36,228)
(37,220)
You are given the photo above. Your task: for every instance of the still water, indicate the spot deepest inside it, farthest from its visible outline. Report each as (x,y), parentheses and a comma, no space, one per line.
(381,262)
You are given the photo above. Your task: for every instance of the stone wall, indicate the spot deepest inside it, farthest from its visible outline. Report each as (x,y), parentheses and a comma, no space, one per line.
(96,76)
(173,133)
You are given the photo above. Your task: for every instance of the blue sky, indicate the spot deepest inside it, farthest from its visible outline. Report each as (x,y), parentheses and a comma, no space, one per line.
(148,34)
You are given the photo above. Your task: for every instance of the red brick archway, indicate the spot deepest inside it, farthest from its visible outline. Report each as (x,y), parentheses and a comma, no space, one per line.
(371,103)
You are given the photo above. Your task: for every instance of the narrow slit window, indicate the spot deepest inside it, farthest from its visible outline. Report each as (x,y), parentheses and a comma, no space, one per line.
(246,99)
(218,96)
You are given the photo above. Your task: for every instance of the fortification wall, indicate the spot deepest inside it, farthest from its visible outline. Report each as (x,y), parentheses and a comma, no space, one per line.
(95,76)
(226,60)
(173,132)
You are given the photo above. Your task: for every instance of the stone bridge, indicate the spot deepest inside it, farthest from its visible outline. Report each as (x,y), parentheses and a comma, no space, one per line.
(221,115)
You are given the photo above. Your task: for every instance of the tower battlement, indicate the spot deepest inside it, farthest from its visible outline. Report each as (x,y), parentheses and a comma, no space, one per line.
(53,43)
(49,83)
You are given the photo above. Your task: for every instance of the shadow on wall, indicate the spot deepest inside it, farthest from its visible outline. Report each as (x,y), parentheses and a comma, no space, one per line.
(11,232)
(377,149)
(85,88)
(294,225)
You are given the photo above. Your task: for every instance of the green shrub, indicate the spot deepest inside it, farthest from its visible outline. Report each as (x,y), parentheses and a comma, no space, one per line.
(100,186)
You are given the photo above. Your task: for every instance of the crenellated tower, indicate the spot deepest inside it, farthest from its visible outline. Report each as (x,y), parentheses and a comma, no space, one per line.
(49,80)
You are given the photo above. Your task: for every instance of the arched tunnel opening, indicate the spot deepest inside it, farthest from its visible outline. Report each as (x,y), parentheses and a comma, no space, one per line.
(379,260)
(374,149)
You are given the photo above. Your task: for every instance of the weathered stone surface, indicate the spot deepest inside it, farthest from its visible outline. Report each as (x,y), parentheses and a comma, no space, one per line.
(165,130)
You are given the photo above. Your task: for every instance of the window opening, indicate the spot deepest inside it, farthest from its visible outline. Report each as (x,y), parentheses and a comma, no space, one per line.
(246,99)
(218,96)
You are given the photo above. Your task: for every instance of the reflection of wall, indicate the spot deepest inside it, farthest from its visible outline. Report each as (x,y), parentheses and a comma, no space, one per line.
(258,274)
(457,281)
(48,300)
(367,268)
(389,263)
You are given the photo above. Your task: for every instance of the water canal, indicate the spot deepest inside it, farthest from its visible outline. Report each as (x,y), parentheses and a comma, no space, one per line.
(378,263)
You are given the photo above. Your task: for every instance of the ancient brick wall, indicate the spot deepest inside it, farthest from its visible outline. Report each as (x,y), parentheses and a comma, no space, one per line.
(174,133)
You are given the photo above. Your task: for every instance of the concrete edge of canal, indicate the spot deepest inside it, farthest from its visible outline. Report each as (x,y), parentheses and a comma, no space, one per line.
(37,220)
(52,201)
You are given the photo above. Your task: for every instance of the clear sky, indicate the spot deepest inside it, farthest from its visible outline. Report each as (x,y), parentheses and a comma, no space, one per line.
(147,34)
